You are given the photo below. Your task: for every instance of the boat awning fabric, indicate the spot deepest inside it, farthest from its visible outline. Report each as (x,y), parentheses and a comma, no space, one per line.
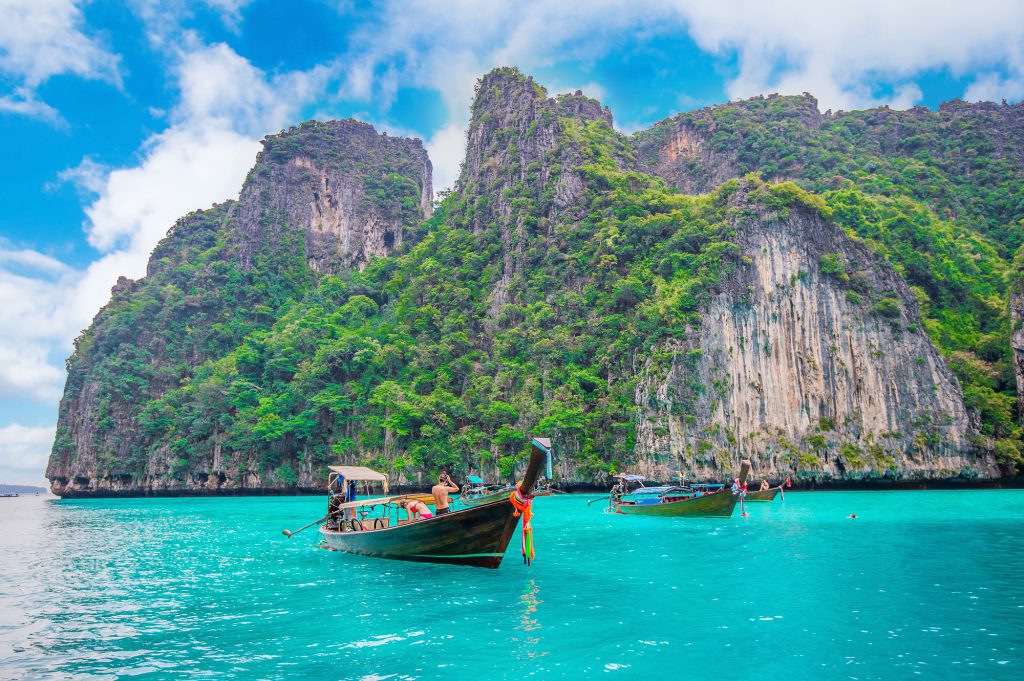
(360,473)
(475,479)
(631,478)
(376,501)
(657,490)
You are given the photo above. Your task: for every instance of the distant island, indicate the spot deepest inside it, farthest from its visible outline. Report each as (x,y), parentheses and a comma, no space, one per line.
(836,296)
(22,489)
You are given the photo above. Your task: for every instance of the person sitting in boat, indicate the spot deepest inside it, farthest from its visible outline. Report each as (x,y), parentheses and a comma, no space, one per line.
(416,508)
(764,485)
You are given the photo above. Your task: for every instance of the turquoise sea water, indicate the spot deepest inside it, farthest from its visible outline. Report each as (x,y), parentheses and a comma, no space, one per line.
(920,585)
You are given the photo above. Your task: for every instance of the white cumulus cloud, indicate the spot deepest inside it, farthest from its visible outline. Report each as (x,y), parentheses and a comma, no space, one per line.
(40,39)
(23,453)
(226,106)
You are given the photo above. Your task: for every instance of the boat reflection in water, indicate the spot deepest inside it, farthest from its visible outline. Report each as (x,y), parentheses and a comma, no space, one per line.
(476,536)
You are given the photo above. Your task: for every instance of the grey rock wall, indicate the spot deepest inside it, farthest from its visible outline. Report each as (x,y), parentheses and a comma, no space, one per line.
(792,368)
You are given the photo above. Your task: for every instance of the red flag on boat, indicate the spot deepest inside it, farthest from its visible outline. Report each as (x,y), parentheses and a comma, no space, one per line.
(789,483)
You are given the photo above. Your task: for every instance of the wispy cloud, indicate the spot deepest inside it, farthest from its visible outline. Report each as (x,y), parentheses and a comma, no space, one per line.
(840,51)
(45,38)
(226,106)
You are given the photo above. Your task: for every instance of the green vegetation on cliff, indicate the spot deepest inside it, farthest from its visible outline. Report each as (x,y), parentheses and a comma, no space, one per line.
(939,194)
(406,359)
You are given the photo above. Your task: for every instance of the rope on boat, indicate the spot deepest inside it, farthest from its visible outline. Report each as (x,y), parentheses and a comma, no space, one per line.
(524,505)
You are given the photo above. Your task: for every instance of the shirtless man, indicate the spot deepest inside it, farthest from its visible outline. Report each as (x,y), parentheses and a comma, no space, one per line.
(440,491)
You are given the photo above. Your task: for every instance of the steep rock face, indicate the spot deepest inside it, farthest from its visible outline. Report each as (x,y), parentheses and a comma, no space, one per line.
(519,171)
(1017,343)
(351,190)
(322,197)
(796,369)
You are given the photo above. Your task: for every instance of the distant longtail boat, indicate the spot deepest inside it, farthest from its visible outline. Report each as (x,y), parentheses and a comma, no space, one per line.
(477,493)
(698,500)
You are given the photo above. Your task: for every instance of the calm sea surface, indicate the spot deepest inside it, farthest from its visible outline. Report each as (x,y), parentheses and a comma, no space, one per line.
(921,585)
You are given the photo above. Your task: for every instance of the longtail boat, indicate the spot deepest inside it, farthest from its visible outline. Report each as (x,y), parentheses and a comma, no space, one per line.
(697,500)
(763,494)
(476,536)
(477,493)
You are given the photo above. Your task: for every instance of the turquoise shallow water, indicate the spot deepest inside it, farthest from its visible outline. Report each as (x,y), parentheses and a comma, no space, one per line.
(921,585)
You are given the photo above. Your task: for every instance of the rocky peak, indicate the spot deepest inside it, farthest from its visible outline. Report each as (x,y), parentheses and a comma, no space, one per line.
(354,193)
(516,145)
(522,164)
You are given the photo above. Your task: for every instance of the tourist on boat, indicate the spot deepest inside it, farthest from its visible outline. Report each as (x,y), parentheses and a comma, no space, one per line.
(350,496)
(441,490)
(336,497)
(416,508)
(764,485)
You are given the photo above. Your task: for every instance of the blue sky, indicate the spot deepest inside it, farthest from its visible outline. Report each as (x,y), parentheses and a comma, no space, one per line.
(119,117)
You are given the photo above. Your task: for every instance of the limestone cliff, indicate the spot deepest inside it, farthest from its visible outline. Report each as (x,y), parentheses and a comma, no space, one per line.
(1017,328)
(813,363)
(352,191)
(629,297)
(322,198)
(520,171)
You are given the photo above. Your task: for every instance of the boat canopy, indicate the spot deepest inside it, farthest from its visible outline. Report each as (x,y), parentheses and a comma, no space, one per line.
(630,478)
(377,501)
(358,473)
(475,479)
(658,490)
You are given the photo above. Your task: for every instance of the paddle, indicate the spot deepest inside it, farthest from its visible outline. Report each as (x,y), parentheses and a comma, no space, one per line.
(289,534)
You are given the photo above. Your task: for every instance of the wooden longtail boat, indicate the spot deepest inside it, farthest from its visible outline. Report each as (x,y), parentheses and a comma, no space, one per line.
(707,501)
(763,494)
(476,536)
(701,501)
(478,494)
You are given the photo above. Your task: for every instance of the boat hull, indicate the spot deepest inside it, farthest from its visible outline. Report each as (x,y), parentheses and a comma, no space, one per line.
(762,495)
(475,536)
(718,505)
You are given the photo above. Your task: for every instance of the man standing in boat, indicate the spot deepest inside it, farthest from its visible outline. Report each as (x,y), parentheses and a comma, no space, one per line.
(335,498)
(441,491)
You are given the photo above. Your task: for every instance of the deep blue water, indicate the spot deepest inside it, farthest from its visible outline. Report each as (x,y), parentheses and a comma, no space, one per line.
(920,585)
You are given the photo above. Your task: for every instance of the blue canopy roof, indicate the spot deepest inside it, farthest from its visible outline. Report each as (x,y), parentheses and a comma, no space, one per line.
(658,490)
(476,480)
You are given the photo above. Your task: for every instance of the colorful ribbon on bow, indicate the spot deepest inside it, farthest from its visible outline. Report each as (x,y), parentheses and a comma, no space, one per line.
(525,507)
